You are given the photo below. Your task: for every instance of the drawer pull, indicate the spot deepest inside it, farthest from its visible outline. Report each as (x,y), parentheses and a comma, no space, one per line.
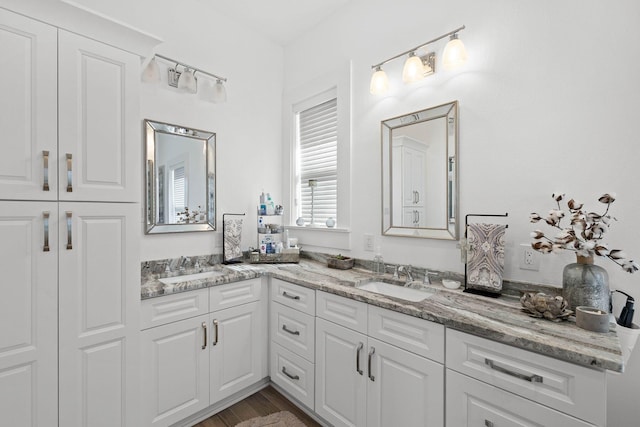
(45,180)
(69,226)
(284,328)
(293,377)
(45,217)
(488,423)
(215,328)
(204,327)
(69,173)
(358,370)
(531,378)
(371,351)
(286,295)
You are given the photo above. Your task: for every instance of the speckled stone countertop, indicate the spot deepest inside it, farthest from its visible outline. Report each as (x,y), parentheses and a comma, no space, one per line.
(498,319)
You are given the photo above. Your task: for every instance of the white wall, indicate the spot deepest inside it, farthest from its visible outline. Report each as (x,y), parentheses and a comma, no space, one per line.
(548,102)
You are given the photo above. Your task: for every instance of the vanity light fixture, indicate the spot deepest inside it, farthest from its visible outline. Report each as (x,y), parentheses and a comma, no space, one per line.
(183,77)
(418,67)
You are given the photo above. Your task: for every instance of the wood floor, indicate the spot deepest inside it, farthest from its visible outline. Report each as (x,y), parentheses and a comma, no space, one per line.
(264,402)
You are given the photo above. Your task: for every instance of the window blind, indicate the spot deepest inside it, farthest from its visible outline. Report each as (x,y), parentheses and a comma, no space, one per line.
(178,192)
(318,159)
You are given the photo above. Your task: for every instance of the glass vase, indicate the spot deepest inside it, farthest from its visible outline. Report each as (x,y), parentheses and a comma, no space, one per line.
(586,284)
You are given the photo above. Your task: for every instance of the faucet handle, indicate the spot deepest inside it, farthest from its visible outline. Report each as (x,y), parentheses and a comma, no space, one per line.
(396,270)
(427,279)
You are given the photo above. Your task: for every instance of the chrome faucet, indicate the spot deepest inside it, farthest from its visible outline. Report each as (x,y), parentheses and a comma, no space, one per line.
(183,261)
(403,269)
(427,279)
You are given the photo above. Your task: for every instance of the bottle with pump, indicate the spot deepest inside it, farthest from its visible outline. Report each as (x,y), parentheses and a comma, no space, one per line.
(378,263)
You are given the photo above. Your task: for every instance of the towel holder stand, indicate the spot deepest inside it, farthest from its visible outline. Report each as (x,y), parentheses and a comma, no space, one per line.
(465,248)
(224,258)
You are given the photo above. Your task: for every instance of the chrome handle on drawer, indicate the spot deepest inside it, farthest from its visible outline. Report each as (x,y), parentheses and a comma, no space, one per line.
(45,217)
(69,240)
(293,377)
(358,370)
(488,423)
(285,294)
(204,327)
(531,378)
(371,351)
(69,173)
(284,328)
(215,326)
(45,180)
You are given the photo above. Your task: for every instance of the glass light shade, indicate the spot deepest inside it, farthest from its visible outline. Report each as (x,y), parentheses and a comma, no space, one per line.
(187,81)
(379,82)
(151,73)
(454,55)
(219,93)
(413,69)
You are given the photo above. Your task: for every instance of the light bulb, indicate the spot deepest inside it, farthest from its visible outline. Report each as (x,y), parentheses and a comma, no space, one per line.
(187,81)
(413,69)
(379,82)
(219,94)
(454,55)
(151,73)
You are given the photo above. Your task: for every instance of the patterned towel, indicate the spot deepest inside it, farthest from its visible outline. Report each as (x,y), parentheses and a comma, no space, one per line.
(232,238)
(485,261)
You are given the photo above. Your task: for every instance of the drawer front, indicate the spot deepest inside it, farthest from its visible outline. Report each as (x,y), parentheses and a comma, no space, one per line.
(346,312)
(233,294)
(407,332)
(471,403)
(569,388)
(293,330)
(171,308)
(294,374)
(294,296)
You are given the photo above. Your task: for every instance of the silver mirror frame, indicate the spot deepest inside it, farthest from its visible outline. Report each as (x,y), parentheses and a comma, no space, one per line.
(151,128)
(450,112)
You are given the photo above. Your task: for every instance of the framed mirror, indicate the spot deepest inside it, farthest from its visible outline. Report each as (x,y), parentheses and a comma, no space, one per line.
(180,179)
(420,174)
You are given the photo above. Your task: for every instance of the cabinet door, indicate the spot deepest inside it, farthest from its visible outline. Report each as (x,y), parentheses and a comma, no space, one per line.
(99,303)
(403,389)
(175,374)
(28,109)
(237,349)
(99,125)
(341,395)
(28,314)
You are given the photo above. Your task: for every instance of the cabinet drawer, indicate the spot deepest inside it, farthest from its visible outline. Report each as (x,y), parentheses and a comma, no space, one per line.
(293,373)
(171,308)
(233,294)
(473,403)
(570,388)
(410,333)
(293,330)
(294,296)
(346,312)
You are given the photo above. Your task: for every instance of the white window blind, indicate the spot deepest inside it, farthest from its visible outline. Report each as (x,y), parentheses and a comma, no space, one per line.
(178,193)
(318,159)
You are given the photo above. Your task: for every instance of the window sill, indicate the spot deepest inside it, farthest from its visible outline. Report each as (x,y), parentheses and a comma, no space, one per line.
(321,237)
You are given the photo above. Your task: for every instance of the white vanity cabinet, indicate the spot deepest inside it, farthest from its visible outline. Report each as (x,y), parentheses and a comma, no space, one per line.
(409,158)
(201,347)
(382,368)
(490,383)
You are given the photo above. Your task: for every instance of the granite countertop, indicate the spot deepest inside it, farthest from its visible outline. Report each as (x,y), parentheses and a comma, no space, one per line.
(498,319)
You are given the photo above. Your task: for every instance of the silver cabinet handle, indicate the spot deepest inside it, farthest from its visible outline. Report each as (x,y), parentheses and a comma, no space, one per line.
(284,328)
(371,351)
(488,423)
(293,377)
(358,370)
(204,327)
(69,173)
(45,181)
(531,378)
(69,240)
(45,217)
(417,217)
(417,197)
(286,295)
(215,327)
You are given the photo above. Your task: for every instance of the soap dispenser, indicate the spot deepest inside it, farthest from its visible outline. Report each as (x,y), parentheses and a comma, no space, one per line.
(378,263)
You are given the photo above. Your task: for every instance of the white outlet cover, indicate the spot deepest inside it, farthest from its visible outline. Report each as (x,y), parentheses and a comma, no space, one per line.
(368,242)
(529,258)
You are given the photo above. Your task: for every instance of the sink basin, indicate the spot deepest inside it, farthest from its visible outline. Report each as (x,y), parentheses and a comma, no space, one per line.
(189,277)
(395,291)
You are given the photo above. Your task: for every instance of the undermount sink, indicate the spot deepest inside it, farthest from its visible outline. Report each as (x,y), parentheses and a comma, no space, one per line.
(395,291)
(188,277)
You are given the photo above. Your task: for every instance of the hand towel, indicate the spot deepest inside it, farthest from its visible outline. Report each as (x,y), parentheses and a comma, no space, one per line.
(485,260)
(232,238)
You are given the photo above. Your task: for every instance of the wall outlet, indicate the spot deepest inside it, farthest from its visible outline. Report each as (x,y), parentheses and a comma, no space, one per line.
(529,258)
(368,242)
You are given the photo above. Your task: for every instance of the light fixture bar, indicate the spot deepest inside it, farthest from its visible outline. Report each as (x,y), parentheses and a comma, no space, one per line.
(195,69)
(418,47)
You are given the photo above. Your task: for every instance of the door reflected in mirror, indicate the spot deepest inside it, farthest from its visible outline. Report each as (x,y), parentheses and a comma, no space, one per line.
(180,178)
(419,156)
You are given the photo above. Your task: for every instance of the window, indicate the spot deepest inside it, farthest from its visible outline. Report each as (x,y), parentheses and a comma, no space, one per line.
(177,192)
(317,159)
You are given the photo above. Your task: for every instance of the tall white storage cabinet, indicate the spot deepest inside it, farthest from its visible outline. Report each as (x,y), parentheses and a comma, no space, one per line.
(69,312)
